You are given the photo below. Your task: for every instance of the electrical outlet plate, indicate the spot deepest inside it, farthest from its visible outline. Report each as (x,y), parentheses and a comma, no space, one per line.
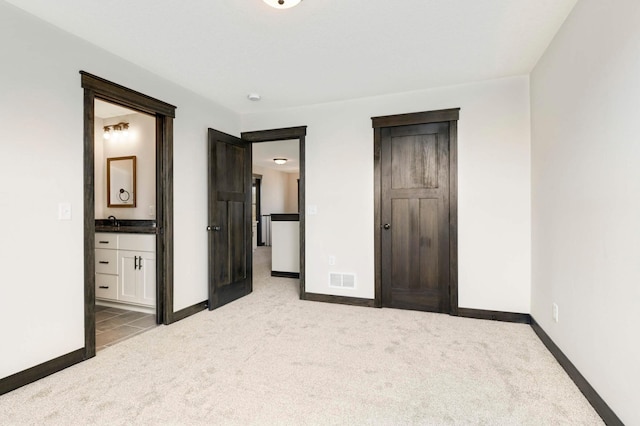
(332,260)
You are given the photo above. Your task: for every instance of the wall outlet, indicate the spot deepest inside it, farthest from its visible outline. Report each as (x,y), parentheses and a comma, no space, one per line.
(332,260)
(555,312)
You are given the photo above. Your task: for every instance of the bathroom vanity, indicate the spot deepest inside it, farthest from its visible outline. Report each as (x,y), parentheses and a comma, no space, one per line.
(125,259)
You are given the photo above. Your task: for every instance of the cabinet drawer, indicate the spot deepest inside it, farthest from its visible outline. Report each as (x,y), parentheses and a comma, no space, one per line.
(106,261)
(106,240)
(137,242)
(106,286)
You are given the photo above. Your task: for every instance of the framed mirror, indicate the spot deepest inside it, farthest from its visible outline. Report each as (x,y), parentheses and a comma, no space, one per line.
(121,181)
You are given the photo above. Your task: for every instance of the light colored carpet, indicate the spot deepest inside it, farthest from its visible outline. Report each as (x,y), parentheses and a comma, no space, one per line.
(270,358)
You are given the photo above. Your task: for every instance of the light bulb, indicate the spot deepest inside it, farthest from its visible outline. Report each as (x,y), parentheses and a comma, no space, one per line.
(125,130)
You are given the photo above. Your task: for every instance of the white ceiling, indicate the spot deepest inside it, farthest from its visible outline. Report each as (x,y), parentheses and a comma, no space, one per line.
(265,152)
(319,51)
(104,109)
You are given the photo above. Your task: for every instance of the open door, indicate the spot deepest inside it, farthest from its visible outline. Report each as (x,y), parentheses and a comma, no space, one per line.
(229,229)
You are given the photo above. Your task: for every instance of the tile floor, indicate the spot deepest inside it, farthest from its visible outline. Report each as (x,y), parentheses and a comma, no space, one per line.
(114,325)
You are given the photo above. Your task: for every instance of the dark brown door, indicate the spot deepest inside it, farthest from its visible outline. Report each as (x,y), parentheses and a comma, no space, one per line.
(229,218)
(415,217)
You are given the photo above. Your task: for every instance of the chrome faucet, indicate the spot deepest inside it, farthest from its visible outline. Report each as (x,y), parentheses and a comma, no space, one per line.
(114,221)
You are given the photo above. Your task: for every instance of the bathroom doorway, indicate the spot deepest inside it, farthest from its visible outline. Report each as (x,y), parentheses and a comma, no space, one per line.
(125,220)
(149,258)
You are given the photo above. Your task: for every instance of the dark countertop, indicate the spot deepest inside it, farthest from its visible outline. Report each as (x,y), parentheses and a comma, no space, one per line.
(128,226)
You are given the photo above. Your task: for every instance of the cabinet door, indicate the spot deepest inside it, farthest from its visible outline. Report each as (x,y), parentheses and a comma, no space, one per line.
(137,277)
(128,265)
(147,278)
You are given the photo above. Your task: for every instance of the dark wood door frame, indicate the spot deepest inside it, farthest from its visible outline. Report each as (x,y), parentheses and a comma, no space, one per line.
(447,115)
(99,88)
(279,135)
(257,181)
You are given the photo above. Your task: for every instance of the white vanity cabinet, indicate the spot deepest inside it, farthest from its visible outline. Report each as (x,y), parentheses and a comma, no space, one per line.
(126,268)
(137,265)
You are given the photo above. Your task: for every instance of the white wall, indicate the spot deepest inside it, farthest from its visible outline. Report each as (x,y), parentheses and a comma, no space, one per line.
(273,190)
(585,94)
(494,187)
(291,204)
(41,114)
(142,144)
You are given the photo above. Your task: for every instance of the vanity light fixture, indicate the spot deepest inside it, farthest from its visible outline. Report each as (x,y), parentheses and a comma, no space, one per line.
(107,132)
(116,131)
(282,4)
(280,161)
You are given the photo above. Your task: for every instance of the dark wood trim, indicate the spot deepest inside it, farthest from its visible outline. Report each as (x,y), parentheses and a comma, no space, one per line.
(377,214)
(285,274)
(285,217)
(275,134)
(121,95)
(453,217)
(98,88)
(438,116)
(190,310)
(343,300)
(164,218)
(601,407)
(445,115)
(40,371)
(302,210)
(89,227)
(494,315)
(288,133)
(257,181)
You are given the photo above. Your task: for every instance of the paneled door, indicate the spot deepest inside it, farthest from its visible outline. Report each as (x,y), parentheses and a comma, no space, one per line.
(414,215)
(229,218)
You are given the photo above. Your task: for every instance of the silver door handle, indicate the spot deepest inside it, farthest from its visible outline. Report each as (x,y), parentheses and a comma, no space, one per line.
(213,228)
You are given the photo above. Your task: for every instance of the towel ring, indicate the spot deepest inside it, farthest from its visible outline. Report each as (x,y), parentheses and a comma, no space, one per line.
(124,195)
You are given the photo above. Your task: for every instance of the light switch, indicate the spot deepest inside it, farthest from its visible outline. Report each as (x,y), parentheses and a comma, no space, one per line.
(64,211)
(312,209)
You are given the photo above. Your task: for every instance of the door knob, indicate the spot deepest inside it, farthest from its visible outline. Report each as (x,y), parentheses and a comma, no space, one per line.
(213,228)
(386,226)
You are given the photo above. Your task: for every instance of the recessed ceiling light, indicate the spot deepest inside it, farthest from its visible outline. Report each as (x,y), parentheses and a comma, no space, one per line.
(282,4)
(253,97)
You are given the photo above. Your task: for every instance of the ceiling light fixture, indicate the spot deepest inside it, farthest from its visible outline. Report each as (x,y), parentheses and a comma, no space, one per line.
(280,161)
(254,96)
(282,4)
